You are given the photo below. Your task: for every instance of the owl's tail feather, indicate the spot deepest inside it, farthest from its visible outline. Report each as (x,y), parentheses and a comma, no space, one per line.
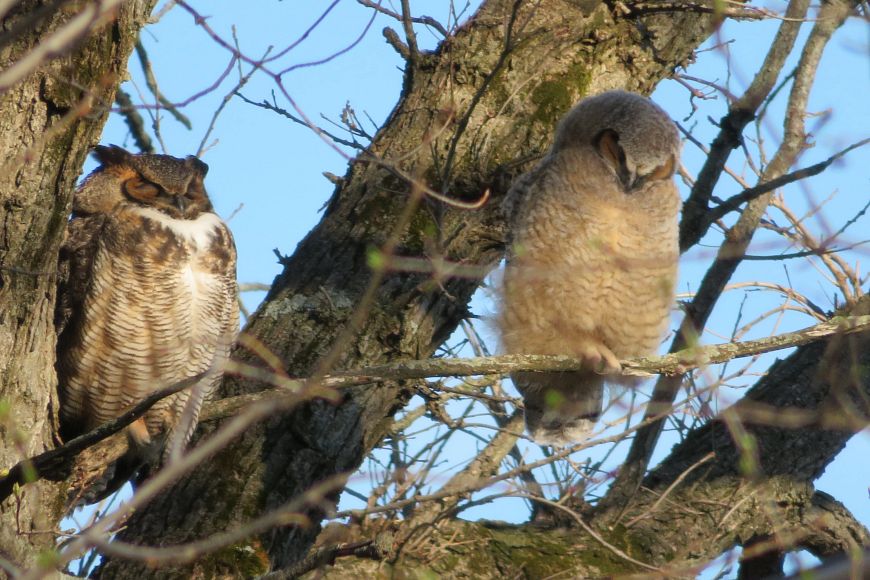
(188,407)
(561,408)
(178,436)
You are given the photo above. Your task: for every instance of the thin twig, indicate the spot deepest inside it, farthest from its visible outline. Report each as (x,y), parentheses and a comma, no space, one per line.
(670,488)
(424,20)
(751,193)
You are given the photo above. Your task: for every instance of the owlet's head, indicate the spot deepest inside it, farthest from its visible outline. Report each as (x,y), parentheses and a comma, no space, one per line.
(631,134)
(168,184)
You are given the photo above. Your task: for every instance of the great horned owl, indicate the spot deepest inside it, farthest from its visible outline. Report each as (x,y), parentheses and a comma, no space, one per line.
(146,297)
(592,264)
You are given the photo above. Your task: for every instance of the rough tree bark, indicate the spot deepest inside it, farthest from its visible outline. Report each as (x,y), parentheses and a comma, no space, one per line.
(479,111)
(48,121)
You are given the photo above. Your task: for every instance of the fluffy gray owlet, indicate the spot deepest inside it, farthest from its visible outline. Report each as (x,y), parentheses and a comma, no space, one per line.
(146,297)
(592,264)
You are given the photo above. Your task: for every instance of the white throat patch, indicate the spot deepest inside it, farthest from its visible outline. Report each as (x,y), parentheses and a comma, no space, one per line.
(198,232)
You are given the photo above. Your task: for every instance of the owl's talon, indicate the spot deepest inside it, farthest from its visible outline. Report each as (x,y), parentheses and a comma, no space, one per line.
(600,359)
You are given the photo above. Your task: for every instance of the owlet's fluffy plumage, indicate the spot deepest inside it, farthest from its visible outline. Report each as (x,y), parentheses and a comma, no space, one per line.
(592,265)
(146,298)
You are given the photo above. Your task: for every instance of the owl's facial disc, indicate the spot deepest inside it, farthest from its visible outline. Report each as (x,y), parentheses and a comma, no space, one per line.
(631,176)
(177,205)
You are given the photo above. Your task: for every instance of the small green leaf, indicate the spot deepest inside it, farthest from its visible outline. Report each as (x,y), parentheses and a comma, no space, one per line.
(376,259)
(47,559)
(553,399)
(30,474)
(5,408)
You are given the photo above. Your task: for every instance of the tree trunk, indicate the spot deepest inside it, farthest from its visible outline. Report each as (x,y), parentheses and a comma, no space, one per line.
(48,121)
(472,113)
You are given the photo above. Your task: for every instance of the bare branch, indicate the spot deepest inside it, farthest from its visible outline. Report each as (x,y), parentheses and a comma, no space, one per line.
(411,38)
(243,80)
(678,362)
(425,20)
(393,40)
(728,9)
(740,113)
(285,113)
(287,514)
(484,466)
(732,203)
(134,122)
(151,82)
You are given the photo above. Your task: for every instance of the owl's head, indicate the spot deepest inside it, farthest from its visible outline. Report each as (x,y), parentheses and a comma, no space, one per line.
(632,135)
(560,408)
(168,184)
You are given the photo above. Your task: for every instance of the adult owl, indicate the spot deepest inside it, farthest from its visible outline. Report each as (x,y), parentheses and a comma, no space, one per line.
(592,262)
(146,298)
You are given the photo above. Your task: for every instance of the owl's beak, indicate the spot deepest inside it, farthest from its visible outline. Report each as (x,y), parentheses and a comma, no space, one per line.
(635,182)
(181,203)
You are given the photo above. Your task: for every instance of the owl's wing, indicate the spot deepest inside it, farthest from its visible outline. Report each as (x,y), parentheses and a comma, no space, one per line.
(75,266)
(74,278)
(525,193)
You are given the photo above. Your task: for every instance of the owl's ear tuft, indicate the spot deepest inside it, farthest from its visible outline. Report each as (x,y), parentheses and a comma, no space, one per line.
(197,164)
(607,145)
(111,155)
(141,190)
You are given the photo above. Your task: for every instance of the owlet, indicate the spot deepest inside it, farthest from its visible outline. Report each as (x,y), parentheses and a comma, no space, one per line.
(592,263)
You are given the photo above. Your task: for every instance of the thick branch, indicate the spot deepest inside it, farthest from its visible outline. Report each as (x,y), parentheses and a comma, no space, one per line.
(792,514)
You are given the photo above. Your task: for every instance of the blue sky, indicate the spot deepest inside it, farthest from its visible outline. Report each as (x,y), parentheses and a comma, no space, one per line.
(267,172)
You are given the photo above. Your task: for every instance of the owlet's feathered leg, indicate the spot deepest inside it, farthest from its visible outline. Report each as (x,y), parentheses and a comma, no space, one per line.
(561,408)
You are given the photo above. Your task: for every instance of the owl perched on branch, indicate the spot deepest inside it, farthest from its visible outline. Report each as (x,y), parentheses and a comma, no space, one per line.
(592,264)
(146,298)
